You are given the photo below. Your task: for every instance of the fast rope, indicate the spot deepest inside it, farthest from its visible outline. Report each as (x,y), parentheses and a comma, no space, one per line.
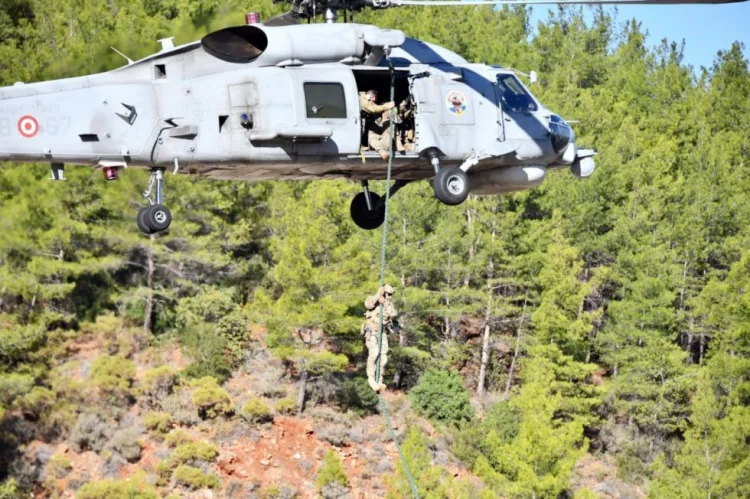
(381,402)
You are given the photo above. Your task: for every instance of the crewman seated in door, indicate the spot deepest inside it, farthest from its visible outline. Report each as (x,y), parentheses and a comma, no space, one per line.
(377,129)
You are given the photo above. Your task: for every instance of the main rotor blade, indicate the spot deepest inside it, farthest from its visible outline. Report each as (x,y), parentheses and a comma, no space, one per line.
(437,3)
(285,19)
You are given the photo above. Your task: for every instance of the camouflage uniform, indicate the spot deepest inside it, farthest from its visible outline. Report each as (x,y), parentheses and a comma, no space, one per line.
(406,126)
(370,331)
(378,134)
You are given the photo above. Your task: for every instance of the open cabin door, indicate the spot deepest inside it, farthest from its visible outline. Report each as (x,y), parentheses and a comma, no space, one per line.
(327,111)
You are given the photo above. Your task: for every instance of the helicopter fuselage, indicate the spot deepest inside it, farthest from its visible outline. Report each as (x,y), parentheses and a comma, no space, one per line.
(289,112)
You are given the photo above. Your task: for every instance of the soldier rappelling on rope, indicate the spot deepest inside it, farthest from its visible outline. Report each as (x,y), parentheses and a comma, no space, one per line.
(376,347)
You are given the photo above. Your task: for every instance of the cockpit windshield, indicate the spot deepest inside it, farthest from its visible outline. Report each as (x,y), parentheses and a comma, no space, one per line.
(514,97)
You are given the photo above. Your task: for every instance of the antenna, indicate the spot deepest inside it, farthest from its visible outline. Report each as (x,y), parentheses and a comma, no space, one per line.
(130,61)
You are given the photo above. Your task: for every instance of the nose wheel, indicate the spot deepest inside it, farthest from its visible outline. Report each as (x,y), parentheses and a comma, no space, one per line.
(156,217)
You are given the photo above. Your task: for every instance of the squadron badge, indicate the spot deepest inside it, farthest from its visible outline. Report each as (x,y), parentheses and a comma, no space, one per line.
(456,103)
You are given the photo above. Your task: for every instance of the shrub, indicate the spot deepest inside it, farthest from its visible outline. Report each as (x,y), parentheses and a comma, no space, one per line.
(269,493)
(471,438)
(163,470)
(440,396)
(113,376)
(194,451)
(158,422)
(90,433)
(157,383)
(59,466)
(256,411)
(334,434)
(132,488)
(178,437)
(331,472)
(36,402)
(127,444)
(357,396)
(286,406)
(193,478)
(210,399)
(180,407)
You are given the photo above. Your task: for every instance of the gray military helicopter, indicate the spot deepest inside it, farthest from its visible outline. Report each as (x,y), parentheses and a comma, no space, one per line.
(280,101)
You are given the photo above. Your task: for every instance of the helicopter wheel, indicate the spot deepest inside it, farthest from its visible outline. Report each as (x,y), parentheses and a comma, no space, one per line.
(153,219)
(363,217)
(451,185)
(142,221)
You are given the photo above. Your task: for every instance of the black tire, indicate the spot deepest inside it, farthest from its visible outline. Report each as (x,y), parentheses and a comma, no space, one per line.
(451,185)
(364,218)
(142,220)
(158,218)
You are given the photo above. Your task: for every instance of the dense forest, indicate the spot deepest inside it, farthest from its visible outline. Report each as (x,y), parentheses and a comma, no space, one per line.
(602,320)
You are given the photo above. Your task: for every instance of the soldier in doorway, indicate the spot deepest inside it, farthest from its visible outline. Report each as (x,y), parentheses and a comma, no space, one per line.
(375,122)
(375,347)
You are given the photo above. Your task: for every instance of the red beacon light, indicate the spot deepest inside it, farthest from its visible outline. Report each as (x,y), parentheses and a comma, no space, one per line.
(252,18)
(111,172)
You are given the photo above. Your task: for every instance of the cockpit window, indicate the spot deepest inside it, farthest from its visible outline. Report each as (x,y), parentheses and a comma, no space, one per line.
(514,97)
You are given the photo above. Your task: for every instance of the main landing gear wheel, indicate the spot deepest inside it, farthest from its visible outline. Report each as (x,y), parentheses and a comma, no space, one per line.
(142,221)
(153,219)
(362,216)
(451,185)
(156,217)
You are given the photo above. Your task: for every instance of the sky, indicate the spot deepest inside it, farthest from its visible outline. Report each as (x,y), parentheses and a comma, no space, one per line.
(705,28)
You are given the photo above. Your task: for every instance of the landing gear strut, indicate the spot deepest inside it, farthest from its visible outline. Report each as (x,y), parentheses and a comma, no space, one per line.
(368,209)
(156,217)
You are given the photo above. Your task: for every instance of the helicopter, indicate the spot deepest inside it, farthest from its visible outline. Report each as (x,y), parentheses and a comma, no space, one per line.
(280,101)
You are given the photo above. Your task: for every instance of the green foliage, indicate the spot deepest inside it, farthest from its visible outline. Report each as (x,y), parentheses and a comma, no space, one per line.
(177,437)
(194,451)
(440,396)
(113,375)
(214,330)
(130,488)
(256,411)
(59,466)
(269,493)
(356,395)
(158,382)
(158,422)
(471,440)
(628,288)
(285,406)
(332,471)
(194,478)
(431,481)
(127,443)
(210,399)
(539,461)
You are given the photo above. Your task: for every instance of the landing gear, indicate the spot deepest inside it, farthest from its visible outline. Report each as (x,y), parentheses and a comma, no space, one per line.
(451,184)
(156,217)
(368,209)
(367,218)
(153,219)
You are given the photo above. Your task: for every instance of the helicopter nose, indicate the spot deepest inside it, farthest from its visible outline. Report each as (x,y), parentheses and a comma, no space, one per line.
(560,133)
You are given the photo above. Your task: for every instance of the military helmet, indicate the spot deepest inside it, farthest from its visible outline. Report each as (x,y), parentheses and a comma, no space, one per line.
(388,289)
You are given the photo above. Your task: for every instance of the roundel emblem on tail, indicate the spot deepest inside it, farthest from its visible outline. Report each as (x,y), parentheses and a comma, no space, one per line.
(28,126)
(456,103)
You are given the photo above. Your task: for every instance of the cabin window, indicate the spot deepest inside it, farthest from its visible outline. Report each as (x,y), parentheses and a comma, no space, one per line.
(514,96)
(325,100)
